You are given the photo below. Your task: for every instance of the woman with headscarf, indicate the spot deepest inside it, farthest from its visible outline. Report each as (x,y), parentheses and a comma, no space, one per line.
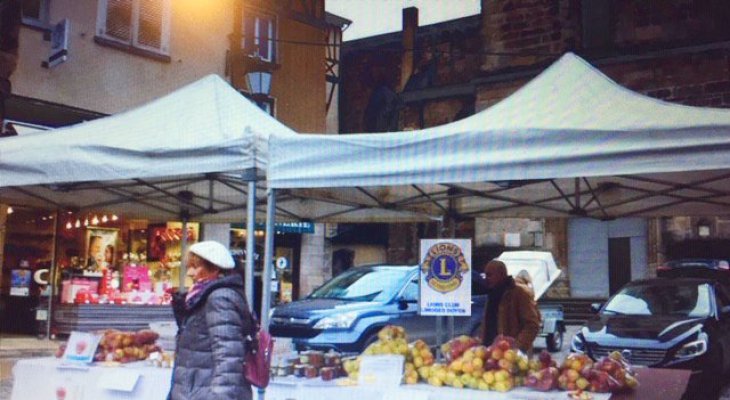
(214,322)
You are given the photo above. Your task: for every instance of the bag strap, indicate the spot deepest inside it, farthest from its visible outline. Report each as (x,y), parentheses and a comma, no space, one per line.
(252,317)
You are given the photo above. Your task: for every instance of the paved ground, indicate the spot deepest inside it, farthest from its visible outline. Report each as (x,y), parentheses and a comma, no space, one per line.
(13,348)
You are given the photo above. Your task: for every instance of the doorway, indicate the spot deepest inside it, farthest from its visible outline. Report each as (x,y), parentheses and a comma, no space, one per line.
(619,263)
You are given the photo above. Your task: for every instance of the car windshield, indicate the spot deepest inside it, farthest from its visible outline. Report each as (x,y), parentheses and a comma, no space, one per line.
(680,299)
(363,284)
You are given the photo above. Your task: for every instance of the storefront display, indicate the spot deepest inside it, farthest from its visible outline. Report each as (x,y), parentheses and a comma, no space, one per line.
(94,261)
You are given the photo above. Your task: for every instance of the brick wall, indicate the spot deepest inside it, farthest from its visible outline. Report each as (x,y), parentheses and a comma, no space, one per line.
(698,79)
(641,24)
(527,26)
(361,73)
(402,247)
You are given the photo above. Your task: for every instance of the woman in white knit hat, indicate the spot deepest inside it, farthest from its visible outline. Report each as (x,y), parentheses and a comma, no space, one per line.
(214,321)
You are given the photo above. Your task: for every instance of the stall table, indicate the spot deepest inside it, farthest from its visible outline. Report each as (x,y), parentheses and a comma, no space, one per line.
(42,379)
(654,384)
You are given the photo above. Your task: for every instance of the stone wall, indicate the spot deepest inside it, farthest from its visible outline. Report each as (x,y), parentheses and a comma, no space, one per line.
(316,261)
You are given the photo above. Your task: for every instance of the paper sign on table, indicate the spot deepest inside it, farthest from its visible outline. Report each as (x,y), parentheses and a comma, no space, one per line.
(81,347)
(119,379)
(381,371)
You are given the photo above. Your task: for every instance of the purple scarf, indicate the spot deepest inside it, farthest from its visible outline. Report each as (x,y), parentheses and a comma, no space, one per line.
(196,291)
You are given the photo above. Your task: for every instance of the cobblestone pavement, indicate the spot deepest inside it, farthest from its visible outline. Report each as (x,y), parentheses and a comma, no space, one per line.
(14,348)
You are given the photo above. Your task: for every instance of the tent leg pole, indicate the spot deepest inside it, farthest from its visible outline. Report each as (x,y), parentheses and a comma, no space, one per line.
(183,250)
(268,257)
(250,243)
(52,276)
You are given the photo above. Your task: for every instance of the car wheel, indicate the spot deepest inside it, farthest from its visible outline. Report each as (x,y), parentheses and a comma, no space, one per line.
(369,339)
(554,341)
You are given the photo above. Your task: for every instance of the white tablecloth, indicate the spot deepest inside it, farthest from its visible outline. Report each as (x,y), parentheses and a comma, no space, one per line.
(290,389)
(40,378)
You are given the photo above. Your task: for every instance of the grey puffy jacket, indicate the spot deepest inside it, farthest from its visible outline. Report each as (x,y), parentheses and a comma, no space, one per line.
(210,344)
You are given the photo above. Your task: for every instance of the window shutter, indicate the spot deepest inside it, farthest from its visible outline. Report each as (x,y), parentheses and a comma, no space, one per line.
(151,16)
(119,20)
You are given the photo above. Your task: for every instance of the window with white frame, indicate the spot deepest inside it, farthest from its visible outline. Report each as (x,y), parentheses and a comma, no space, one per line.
(259,35)
(139,24)
(35,12)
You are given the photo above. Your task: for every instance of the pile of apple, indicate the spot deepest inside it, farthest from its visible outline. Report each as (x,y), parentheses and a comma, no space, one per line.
(609,374)
(544,373)
(419,356)
(392,340)
(497,367)
(455,347)
(123,346)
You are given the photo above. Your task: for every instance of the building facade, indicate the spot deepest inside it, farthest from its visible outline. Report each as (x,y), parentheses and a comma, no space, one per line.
(426,76)
(79,60)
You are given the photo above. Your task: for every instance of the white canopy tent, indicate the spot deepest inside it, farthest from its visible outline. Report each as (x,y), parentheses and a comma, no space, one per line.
(195,155)
(570,142)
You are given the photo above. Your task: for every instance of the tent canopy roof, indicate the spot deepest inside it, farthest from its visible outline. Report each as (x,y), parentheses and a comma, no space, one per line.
(190,151)
(206,126)
(570,142)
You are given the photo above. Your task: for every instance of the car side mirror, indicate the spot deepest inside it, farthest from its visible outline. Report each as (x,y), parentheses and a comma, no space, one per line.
(402,304)
(596,307)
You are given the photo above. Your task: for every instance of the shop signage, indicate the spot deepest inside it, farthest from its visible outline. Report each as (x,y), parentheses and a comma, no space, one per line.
(282,263)
(291,227)
(283,227)
(20,282)
(445,281)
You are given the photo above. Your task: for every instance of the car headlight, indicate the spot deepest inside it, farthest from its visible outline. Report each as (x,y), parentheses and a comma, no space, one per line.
(341,321)
(577,345)
(694,348)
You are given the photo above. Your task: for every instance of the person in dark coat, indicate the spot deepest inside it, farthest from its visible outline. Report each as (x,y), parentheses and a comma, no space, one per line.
(511,309)
(214,322)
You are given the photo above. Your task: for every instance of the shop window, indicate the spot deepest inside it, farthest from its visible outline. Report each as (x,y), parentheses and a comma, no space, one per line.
(259,36)
(35,13)
(135,25)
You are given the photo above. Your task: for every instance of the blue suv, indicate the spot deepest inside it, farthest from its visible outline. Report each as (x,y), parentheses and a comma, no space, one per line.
(346,313)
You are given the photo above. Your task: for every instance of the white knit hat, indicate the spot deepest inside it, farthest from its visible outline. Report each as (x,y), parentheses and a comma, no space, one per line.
(214,252)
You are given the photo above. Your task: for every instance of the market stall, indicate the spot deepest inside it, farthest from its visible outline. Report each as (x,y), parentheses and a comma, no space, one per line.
(134,185)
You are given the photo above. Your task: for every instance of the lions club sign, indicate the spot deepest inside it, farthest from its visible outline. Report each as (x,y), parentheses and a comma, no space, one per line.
(445,277)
